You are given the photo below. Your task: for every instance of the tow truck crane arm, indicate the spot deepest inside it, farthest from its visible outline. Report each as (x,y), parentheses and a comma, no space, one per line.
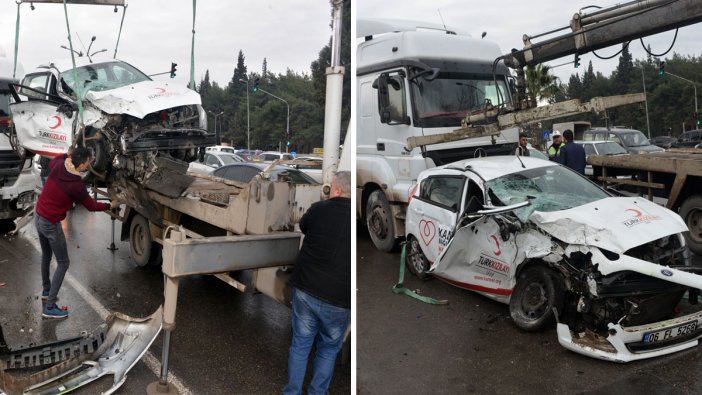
(607,27)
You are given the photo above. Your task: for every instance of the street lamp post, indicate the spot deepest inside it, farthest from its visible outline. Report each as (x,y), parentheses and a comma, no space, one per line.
(287,127)
(248,111)
(216,134)
(643,80)
(693,85)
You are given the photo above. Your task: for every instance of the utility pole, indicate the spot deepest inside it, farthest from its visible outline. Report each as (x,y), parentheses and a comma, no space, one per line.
(248,112)
(287,128)
(217,140)
(643,80)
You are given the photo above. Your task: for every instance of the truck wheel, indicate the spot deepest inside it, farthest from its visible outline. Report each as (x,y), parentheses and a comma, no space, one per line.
(379,221)
(140,243)
(536,293)
(691,213)
(417,263)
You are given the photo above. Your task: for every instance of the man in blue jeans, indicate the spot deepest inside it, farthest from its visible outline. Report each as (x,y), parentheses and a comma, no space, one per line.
(63,187)
(321,281)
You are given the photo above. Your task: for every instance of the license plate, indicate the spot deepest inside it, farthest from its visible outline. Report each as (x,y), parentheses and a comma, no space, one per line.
(670,333)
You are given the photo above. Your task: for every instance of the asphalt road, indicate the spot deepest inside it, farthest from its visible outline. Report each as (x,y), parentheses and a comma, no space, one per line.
(472,346)
(225,342)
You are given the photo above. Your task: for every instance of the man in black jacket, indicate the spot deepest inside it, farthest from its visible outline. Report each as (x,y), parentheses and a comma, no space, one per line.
(321,281)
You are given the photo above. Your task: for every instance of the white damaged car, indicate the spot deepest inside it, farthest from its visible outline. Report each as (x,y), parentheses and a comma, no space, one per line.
(128,118)
(533,234)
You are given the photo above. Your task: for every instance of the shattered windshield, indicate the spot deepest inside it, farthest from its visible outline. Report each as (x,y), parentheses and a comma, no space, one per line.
(452,95)
(550,188)
(101,77)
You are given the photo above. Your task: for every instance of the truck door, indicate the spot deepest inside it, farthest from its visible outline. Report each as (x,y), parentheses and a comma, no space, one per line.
(393,125)
(41,127)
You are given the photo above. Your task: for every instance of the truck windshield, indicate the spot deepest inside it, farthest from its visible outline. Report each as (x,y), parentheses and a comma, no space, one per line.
(446,100)
(101,77)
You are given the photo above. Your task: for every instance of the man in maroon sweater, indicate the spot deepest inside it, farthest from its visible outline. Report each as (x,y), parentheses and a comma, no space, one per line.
(63,187)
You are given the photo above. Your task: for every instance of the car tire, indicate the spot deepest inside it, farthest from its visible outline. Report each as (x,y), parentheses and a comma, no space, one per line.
(691,213)
(415,259)
(537,292)
(379,222)
(140,242)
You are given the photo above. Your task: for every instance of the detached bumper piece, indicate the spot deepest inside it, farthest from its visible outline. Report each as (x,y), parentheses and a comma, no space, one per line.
(625,344)
(114,348)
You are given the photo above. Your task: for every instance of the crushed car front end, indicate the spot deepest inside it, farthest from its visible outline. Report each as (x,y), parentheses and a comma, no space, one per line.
(631,292)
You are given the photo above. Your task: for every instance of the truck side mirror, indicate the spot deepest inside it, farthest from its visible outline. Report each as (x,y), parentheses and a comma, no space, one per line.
(381,83)
(391,113)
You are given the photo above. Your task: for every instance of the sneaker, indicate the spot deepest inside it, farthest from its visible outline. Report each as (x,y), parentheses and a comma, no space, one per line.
(54,312)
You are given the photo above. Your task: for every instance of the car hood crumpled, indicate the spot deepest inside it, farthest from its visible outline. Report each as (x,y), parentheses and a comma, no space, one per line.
(142,98)
(615,224)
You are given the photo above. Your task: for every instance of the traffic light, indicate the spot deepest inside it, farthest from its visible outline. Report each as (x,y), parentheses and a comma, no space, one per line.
(257,81)
(288,143)
(698,119)
(576,62)
(661,68)
(173,69)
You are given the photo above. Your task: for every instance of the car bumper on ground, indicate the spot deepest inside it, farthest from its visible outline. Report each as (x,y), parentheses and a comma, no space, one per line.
(625,344)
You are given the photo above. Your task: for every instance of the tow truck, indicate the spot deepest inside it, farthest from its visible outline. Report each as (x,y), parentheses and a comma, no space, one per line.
(204,225)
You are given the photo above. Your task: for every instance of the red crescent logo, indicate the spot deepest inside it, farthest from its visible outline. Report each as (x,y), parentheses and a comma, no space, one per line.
(427,230)
(58,122)
(497,243)
(160,90)
(637,212)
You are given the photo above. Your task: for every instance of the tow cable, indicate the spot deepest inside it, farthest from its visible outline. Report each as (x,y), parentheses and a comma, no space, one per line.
(399,289)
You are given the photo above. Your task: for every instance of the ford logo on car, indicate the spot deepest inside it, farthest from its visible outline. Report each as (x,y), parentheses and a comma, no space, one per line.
(666,272)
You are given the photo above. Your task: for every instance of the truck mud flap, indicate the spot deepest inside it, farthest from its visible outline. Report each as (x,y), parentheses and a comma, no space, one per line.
(114,348)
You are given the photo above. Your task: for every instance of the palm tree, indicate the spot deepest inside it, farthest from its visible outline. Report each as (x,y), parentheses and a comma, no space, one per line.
(540,84)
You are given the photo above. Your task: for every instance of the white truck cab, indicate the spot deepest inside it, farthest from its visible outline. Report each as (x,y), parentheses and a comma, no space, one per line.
(414,82)
(16,181)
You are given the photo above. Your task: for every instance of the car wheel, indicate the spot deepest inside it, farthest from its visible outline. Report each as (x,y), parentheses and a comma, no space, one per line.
(691,212)
(537,292)
(417,262)
(140,242)
(379,221)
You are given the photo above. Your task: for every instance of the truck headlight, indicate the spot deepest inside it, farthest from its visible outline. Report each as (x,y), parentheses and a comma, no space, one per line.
(203,117)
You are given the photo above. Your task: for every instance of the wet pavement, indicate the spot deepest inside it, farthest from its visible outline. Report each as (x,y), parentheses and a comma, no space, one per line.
(472,346)
(225,342)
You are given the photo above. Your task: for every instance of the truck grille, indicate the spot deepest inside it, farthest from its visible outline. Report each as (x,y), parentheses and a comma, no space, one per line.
(10,163)
(442,157)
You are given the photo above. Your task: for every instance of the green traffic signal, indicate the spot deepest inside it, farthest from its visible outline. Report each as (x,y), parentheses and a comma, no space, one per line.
(661,68)
(173,69)
(576,62)
(257,81)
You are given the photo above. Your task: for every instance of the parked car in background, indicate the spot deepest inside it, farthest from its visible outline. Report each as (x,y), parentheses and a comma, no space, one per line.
(600,148)
(631,140)
(244,172)
(310,165)
(270,156)
(221,148)
(689,139)
(546,241)
(664,141)
(247,154)
(213,160)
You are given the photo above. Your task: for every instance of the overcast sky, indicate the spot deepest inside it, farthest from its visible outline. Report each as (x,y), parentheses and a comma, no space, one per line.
(506,21)
(289,34)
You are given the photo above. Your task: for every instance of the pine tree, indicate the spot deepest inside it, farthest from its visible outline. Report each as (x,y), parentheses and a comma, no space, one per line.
(205,85)
(625,69)
(264,70)
(239,71)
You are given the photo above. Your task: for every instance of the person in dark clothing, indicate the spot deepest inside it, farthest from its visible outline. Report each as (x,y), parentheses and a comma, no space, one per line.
(321,280)
(63,187)
(522,149)
(572,154)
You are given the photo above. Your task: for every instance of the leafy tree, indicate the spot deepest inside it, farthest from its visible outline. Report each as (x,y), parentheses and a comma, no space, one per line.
(540,84)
